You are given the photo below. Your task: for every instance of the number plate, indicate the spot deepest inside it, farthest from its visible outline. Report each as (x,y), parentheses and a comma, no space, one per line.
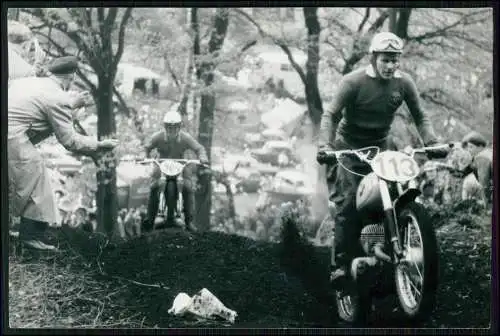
(171,168)
(395,166)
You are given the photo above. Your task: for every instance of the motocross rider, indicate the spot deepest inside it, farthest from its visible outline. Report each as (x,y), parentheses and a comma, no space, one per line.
(361,115)
(172,143)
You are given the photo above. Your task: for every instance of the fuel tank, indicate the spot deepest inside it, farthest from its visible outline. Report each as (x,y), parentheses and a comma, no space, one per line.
(368,197)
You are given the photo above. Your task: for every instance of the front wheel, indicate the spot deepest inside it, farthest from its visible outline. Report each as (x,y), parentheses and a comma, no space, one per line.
(417,274)
(171,196)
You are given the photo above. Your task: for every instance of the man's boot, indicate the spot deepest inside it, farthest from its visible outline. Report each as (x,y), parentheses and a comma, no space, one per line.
(153,204)
(32,234)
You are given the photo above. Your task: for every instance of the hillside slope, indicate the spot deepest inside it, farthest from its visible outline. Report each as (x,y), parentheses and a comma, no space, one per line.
(244,274)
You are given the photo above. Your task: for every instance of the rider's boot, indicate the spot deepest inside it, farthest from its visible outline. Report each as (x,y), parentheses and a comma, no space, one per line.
(153,204)
(338,269)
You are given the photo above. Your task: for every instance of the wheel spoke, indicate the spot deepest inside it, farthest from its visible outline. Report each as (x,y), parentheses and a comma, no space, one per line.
(414,286)
(410,281)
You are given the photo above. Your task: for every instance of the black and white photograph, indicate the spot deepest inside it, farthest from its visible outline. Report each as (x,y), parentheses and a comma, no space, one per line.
(248,167)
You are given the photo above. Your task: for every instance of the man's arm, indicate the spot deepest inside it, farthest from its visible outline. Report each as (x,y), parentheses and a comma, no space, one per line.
(195,146)
(420,117)
(332,115)
(151,144)
(59,115)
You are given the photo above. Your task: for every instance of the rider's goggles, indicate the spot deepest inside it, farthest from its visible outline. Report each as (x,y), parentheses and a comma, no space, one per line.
(388,45)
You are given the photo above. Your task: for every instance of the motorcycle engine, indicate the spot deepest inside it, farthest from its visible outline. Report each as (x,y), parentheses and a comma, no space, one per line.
(372,235)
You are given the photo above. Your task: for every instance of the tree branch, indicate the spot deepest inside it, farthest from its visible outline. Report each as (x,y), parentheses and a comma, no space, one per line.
(279,43)
(100,18)
(441,31)
(345,29)
(379,22)
(435,95)
(337,48)
(292,61)
(121,37)
(365,18)
(359,50)
(111,18)
(172,73)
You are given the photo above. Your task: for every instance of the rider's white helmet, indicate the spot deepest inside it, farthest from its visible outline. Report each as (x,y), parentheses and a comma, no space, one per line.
(172,118)
(386,42)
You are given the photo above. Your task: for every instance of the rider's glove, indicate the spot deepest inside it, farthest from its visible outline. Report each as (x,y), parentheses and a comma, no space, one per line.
(439,153)
(321,156)
(205,162)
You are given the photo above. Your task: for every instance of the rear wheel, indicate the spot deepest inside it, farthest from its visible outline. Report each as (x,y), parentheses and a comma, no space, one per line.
(417,274)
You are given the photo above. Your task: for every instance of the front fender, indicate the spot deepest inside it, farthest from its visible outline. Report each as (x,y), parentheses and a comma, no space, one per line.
(408,196)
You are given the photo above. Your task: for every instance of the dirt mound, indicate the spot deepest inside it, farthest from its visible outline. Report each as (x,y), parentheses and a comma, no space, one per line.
(140,278)
(244,274)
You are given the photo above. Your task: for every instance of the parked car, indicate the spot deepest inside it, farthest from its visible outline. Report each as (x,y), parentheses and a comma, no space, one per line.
(271,134)
(254,140)
(133,182)
(243,172)
(287,185)
(278,153)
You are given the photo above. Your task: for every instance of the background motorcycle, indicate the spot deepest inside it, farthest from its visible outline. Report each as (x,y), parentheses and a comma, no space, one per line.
(170,198)
(400,251)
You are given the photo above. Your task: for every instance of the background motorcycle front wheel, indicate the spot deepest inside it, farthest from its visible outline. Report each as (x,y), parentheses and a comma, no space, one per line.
(171,199)
(417,275)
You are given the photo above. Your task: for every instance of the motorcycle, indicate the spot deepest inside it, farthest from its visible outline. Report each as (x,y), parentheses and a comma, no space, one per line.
(398,241)
(170,198)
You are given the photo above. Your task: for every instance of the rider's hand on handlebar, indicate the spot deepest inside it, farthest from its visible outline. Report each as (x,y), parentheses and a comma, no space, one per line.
(205,162)
(438,153)
(321,156)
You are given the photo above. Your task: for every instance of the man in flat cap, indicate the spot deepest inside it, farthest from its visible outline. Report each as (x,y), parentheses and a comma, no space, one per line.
(37,108)
(479,174)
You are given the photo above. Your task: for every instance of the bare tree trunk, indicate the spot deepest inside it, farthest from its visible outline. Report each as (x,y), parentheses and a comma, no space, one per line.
(403,22)
(205,133)
(393,19)
(399,18)
(107,204)
(13,14)
(314,102)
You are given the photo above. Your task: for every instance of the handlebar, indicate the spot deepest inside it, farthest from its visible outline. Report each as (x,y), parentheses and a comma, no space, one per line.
(364,154)
(158,161)
(360,153)
(432,148)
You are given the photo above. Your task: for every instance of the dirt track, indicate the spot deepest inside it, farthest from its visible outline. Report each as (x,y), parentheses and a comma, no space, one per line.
(247,277)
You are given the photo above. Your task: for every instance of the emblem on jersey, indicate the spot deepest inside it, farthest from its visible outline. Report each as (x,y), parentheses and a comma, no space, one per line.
(396,99)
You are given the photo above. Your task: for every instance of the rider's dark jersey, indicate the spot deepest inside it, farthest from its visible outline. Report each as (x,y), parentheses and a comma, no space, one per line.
(368,105)
(175,149)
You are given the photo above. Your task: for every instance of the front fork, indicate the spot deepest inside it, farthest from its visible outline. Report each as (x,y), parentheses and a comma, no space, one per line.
(391,229)
(179,182)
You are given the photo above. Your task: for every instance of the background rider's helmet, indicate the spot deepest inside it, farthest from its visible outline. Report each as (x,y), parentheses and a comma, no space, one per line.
(386,42)
(172,123)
